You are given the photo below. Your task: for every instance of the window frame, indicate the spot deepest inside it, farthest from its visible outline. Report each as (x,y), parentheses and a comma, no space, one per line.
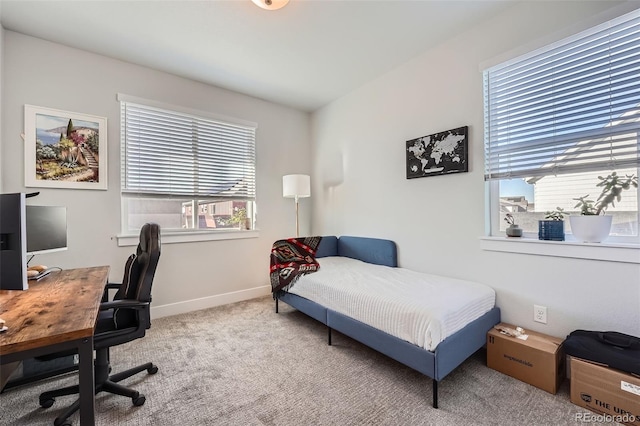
(128,236)
(493,214)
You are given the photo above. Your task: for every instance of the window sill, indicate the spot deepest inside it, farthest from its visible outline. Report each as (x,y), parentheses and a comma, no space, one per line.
(610,252)
(168,237)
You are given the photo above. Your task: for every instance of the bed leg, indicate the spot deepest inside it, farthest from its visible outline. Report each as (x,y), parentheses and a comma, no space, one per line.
(276,305)
(329,335)
(435,393)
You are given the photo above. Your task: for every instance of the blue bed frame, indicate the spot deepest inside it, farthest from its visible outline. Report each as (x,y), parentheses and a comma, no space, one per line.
(450,353)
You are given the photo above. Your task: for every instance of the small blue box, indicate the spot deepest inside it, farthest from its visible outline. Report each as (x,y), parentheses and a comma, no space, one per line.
(551,230)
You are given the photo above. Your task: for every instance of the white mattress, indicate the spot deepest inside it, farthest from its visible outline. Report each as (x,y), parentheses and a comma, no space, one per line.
(420,308)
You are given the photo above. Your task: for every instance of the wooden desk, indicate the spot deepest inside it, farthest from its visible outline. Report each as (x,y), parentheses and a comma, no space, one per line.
(58,312)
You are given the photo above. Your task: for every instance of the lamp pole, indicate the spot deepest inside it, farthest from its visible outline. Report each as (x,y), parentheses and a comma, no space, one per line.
(297,225)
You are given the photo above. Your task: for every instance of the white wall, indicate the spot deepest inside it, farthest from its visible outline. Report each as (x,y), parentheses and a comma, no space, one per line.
(50,75)
(437,221)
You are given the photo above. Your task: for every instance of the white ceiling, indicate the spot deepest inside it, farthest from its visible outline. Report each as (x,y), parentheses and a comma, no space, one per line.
(304,55)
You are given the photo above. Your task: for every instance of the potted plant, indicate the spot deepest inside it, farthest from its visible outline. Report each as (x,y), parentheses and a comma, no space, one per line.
(512,230)
(240,219)
(593,225)
(552,227)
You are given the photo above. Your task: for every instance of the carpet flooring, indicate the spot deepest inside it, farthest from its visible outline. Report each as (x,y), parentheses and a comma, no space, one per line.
(242,364)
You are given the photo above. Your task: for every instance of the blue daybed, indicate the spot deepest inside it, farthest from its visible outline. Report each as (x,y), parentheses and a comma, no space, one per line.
(448,354)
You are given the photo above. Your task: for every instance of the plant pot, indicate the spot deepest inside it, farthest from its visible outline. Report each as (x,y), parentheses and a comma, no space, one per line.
(591,228)
(244,224)
(514,231)
(551,230)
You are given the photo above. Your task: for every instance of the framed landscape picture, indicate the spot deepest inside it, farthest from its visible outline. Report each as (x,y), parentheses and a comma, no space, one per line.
(64,149)
(438,154)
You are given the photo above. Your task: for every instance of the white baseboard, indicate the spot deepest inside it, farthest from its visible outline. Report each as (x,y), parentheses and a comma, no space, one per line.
(208,302)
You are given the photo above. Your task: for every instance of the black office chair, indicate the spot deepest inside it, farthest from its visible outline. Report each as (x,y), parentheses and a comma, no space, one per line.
(122,320)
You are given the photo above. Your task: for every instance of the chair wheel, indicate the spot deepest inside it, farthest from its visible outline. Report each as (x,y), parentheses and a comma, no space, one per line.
(139,400)
(152,370)
(46,403)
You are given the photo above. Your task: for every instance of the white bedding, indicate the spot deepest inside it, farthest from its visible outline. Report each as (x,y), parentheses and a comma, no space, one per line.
(420,308)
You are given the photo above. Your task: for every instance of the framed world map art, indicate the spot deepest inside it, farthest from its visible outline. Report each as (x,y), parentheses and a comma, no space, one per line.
(438,154)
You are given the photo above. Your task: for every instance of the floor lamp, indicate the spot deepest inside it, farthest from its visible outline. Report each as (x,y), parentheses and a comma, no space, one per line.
(296,186)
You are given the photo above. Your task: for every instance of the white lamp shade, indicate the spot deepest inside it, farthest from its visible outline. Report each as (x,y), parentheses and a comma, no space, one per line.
(296,186)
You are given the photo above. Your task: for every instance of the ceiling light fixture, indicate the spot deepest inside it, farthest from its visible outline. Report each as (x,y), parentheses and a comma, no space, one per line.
(271,4)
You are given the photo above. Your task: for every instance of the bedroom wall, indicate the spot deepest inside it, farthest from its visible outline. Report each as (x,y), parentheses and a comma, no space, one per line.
(191,275)
(359,143)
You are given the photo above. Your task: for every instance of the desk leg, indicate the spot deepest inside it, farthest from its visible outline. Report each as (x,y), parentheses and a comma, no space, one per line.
(87,382)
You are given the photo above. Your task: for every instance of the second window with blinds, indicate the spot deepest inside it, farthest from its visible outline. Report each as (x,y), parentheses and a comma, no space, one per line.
(185,170)
(560,117)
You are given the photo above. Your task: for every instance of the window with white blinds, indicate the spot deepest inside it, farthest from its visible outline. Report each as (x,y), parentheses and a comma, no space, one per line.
(169,153)
(568,108)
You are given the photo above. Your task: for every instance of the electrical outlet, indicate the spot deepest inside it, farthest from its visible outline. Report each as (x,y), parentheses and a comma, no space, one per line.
(540,314)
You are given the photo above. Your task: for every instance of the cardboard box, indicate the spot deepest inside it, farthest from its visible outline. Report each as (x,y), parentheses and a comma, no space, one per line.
(538,360)
(612,394)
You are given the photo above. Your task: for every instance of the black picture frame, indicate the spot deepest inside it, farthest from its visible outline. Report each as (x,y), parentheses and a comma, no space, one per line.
(438,154)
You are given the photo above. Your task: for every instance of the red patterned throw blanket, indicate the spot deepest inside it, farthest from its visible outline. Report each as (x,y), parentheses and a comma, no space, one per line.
(291,259)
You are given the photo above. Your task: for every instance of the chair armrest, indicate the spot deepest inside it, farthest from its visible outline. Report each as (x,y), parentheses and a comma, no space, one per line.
(109,286)
(123,303)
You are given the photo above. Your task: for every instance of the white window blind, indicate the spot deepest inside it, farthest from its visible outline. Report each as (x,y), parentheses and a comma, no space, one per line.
(570,107)
(169,153)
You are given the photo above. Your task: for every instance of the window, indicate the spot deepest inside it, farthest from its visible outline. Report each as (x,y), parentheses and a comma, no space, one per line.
(185,170)
(558,118)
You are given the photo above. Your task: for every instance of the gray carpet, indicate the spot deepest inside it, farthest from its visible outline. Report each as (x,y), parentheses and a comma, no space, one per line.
(242,364)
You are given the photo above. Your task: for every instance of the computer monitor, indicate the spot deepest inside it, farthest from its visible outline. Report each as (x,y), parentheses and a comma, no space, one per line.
(27,230)
(46,229)
(13,242)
